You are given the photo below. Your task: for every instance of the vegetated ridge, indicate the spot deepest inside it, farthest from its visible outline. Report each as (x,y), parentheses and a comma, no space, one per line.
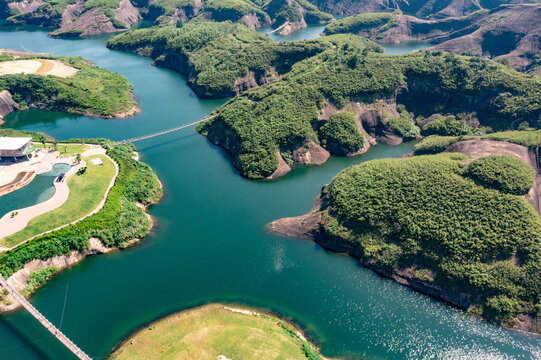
(419,8)
(507,33)
(285,16)
(271,128)
(91,91)
(219,59)
(445,227)
(72,18)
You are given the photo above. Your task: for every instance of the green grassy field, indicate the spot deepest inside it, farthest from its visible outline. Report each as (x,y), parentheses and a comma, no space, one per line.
(66,149)
(86,192)
(212,330)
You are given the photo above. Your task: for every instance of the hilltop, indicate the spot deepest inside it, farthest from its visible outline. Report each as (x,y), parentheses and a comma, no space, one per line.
(92,17)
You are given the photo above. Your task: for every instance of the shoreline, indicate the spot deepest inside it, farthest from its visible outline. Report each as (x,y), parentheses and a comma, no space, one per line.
(233,307)
(19,279)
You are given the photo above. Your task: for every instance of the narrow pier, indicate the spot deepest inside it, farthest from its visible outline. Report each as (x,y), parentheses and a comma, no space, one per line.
(43,320)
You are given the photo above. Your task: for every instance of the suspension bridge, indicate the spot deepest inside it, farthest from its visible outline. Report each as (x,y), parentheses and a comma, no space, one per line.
(32,310)
(43,320)
(163,132)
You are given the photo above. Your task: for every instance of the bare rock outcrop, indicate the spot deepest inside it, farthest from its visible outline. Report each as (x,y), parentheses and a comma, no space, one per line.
(310,154)
(7,104)
(25,6)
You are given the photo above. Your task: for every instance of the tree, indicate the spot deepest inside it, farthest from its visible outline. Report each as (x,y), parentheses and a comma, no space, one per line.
(78,158)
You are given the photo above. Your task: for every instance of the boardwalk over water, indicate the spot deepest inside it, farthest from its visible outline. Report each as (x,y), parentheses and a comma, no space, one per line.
(149,136)
(43,320)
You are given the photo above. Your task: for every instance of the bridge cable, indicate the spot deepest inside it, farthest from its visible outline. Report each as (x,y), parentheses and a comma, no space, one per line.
(64,307)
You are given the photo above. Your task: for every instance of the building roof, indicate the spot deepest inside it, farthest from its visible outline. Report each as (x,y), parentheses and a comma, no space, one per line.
(13,143)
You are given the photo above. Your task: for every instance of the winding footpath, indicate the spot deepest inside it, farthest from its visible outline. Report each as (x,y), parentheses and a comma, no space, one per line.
(9,226)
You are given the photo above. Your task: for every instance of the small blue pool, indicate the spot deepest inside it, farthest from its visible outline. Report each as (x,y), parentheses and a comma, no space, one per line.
(39,190)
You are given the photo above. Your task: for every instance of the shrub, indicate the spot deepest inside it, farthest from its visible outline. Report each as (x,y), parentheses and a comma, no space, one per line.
(446,126)
(434,144)
(341,134)
(505,173)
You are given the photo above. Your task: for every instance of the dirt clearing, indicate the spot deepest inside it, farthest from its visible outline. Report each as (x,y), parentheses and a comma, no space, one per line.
(37,66)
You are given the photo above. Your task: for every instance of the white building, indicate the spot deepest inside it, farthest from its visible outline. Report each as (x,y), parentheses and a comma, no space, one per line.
(16,147)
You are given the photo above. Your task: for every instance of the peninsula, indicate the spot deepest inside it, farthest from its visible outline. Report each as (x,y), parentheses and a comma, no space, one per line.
(102,208)
(70,84)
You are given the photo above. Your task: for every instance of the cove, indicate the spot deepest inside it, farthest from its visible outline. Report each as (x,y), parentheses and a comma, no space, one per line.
(210,245)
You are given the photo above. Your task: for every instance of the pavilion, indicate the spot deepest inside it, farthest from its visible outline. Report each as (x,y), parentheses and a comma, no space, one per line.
(16,148)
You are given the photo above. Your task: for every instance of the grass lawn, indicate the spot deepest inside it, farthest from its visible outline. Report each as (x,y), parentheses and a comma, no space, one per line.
(209,331)
(86,192)
(66,149)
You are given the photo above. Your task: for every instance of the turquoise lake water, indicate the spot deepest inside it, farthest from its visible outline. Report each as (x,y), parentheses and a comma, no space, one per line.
(210,244)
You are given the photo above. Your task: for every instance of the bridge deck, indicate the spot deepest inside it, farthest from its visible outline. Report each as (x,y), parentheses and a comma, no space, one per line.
(144,137)
(43,320)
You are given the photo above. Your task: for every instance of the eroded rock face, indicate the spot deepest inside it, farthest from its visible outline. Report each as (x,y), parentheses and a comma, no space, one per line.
(25,6)
(512,32)
(7,105)
(310,154)
(420,8)
(74,20)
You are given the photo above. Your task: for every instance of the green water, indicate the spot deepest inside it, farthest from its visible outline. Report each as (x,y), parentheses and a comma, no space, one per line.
(210,245)
(39,190)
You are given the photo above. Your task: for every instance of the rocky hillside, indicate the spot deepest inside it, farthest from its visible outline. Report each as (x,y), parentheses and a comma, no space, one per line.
(419,8)
(509,33)
(73,18)
(284,15)
(433,223)
(293,121)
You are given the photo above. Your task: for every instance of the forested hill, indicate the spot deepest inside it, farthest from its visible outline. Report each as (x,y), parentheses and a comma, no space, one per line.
(286,15)
(286,122)
(91,91)
(219,58)
(457,230)
(72,18)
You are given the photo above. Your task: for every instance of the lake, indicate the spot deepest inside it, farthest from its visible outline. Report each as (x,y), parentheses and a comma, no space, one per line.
(210,245)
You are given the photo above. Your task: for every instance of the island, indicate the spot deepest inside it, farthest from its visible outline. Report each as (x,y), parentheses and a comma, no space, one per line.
(99,204)
(217,331)
(60,83)
(458,226)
